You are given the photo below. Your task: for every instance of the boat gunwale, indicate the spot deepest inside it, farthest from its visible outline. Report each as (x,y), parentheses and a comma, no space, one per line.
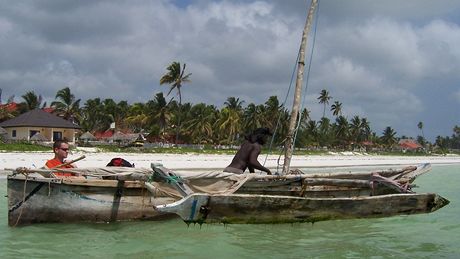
(80,182)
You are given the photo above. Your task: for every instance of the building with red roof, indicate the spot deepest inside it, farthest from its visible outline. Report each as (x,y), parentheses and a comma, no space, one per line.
(104,135)
(409,144)
(10,107)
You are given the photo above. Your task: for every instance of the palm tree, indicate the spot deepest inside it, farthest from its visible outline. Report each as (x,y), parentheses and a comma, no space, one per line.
(110,110)
(336,108)
(324,132)
(31,102)
(201,124)
(389,137)
(176,77)
(66,105)
(311,131)
(94,118)
(456,130)
(234,103)
(366,128)
(324,99)
(183,115)
(5,114)
(235,114)
(356,129)
(253,117)
(305,117)
(161,113)
(456,137)
(272,112)
(442,143)
(229,124)
(137,117)
(341,130)
(420,127)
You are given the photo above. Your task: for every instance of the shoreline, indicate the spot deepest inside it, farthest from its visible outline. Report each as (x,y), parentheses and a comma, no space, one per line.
(208,162)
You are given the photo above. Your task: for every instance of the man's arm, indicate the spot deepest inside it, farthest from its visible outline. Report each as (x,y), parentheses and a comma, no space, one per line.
(254,163)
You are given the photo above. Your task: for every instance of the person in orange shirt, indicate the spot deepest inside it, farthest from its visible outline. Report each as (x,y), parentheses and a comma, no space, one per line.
(61,150)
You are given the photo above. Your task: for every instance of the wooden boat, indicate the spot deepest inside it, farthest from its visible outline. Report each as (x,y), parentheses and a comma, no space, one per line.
(119,194)
(37,199)
(252,209)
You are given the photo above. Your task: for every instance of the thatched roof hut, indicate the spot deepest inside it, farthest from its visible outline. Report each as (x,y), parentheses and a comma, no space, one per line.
(87,136)
(38,137)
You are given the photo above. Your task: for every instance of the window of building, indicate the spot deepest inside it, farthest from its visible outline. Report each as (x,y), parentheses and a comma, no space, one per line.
(33,132)
(57,135)
(13,133)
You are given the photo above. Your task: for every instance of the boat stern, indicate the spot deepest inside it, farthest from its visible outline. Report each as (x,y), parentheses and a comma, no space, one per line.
(437,203)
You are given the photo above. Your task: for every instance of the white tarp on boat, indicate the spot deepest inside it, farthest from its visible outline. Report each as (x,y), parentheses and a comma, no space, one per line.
(207,182)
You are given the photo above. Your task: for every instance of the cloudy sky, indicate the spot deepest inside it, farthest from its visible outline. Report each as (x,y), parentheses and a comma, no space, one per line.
(394,62)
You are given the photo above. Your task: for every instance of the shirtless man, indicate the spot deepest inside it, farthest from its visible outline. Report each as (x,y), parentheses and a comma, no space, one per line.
(246,157)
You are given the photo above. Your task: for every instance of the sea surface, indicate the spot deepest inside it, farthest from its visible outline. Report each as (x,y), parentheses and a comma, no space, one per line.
(434,235)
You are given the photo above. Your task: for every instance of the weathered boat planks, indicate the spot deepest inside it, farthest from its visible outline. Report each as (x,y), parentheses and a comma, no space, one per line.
(126,194)
(65,200)
(254,209)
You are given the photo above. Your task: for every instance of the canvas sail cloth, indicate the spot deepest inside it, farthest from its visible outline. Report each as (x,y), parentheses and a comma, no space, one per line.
(199,182)
(213,182)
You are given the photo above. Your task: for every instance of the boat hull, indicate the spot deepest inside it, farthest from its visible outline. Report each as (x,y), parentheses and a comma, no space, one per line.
(57,200)
(254,209)
(126,196)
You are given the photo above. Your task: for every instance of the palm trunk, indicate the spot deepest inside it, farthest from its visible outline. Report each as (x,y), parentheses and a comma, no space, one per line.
(179,115)
(178,123)
(289,145)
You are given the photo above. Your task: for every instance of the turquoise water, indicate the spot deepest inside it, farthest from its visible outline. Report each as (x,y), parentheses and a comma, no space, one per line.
(435,235)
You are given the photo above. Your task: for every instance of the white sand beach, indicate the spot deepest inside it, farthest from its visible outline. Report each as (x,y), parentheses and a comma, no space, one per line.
(185,162)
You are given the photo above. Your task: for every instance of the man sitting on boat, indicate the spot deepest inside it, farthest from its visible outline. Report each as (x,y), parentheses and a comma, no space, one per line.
(61,150)
(246,157)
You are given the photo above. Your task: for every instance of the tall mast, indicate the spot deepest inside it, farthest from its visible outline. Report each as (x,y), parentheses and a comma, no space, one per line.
(289,145)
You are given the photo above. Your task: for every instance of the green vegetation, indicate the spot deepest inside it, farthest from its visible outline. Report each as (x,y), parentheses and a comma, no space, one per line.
(22,146)
(29,147)
(171,121)
(163,150)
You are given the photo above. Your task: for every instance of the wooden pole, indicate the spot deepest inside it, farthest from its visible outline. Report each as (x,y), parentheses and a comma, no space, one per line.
(289,145)
(65,164)
(70,162)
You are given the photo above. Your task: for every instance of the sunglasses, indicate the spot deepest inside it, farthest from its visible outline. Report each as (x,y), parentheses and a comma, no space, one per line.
(64,149)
